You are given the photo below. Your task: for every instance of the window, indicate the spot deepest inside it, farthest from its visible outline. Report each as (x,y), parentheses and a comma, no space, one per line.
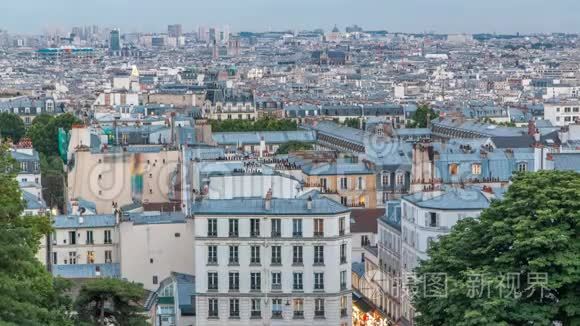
(343,253)
(108,256)
(54,258)
(90,257)
(400,179)
(155,279)
(276,280)
(323,183)
(364,240)
(297,227)
(234,258)
(108,238)
(254,227)
(212,255)
(234,280)
(433,220)
(256,281)
(233,231)
(343,306)
(255,255)
(297,255)
(319,281)
(522,167)
(343,183)
(276,308)
(276,227)
(319,254)
(476,168)
(343,280)
(360,183)
(72,237)
(89,238)
(453,169)
(318,307)
(276,254)
(343,200)
(318,227)
(234,308)
(72,257)
(298,308)
(213,308)
(341,226)
(385,178)
(297,284)
(256,309)
(212,281)
(212,227)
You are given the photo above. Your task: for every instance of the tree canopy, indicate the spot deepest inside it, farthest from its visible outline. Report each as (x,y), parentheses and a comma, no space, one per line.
(421,117)
(292,146)
(29,295)
(110,299)
(44,131)
(11,126)
(518,264)
(262,124)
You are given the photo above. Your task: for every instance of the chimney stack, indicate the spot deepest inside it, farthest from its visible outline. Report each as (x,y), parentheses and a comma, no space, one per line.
(268,200)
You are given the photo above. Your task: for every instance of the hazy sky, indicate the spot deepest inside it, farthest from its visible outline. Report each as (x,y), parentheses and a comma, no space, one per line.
(444,16)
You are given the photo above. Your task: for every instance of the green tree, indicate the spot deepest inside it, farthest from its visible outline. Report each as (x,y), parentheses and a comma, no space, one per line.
(352,122)
(421,117)
(293,146)
(11,126)
(532,233)
(110,299)
(29,295)
(262,124)
(53,178)
(44,131)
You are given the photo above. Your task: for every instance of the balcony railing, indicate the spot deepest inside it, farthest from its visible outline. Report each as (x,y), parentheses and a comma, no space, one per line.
(343,312)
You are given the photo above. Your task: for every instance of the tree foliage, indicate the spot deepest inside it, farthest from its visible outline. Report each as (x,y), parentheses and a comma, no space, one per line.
(421,117)
(262,124)
(44,131)
(11,126)
(293,146)
(29,295)
(53,177)
(110,299)
(532,233)
(352,122)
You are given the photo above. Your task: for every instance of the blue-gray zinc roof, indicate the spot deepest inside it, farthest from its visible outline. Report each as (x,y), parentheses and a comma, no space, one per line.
(88,221)
(453,199)
(256,206)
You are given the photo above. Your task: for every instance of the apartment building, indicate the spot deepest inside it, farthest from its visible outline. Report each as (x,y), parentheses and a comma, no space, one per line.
(428,215)
(82,246)
(352,184)
(562,113)
(272,261)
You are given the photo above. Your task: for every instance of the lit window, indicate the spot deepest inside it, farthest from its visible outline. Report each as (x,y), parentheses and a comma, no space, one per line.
(476,168)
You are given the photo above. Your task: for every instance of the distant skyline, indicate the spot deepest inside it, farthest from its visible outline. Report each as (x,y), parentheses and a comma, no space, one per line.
(441,16)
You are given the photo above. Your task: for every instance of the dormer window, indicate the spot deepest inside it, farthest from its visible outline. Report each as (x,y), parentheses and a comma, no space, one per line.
(476,168)
(522,167)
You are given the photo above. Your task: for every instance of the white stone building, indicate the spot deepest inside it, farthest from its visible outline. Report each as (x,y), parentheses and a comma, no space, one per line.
(272,262)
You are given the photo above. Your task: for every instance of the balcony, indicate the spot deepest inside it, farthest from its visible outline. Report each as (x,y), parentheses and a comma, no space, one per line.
(343,286)
(254,234)
(341,232)
(276,314)
(343,312)
(319,234)
(297,234)
(212,234)
(256,314)
(319,314)
(276,234)
(233,234)
(276,287)
(298,315)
